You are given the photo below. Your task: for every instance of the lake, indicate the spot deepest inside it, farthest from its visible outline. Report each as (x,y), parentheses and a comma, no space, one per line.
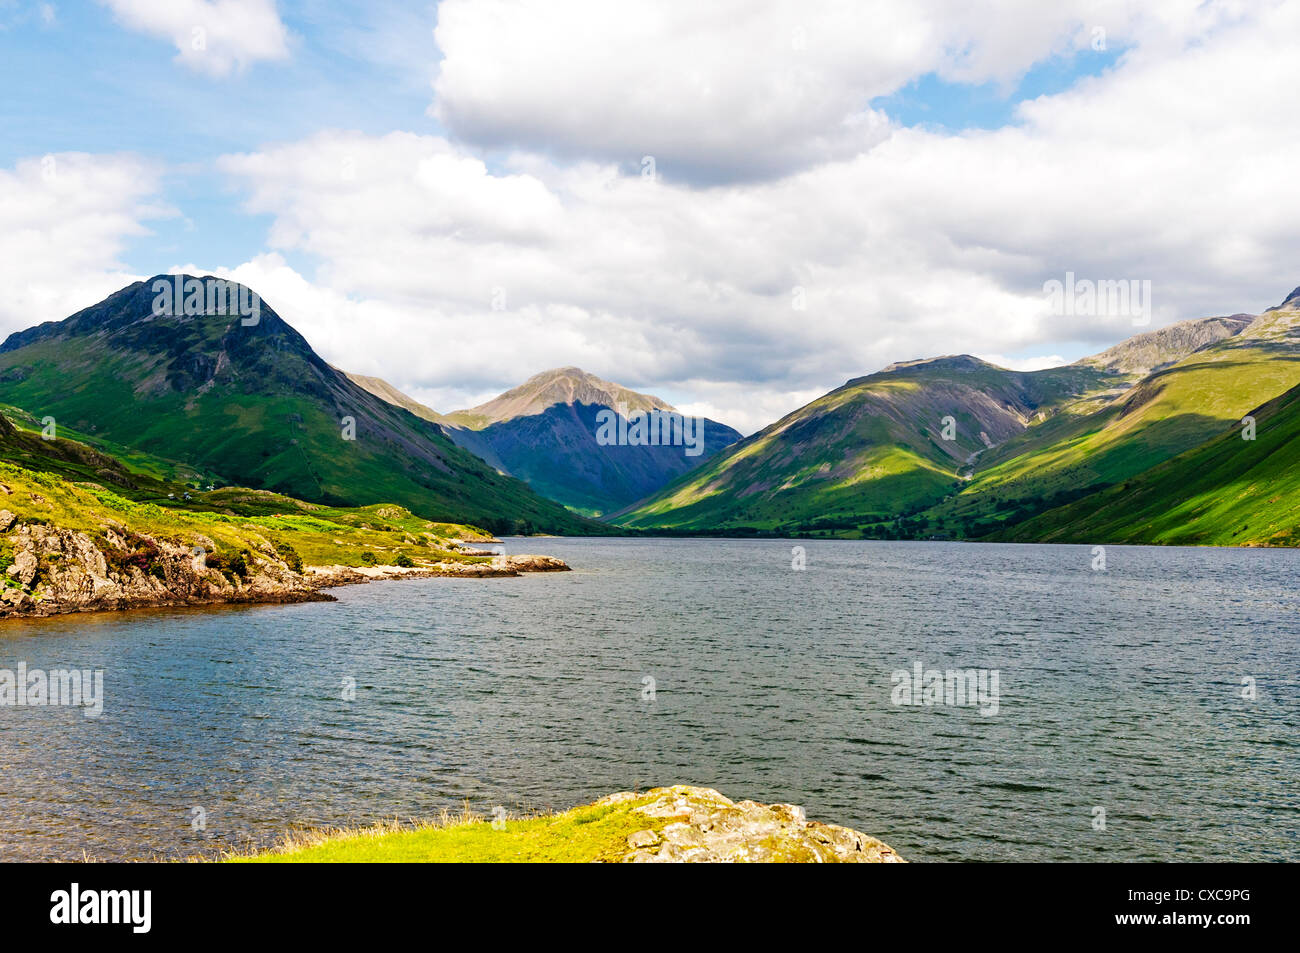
(1124,725)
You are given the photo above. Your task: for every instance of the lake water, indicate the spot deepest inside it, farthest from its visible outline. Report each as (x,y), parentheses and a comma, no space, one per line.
(1119,692)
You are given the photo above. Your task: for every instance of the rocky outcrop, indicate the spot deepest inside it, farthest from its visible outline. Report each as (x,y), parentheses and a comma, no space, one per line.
(49,571)
(52,571)
(706,827)
(1143,353)
(325,576)
(528,563)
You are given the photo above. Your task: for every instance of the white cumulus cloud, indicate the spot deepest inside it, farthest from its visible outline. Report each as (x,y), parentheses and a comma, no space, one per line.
(65,220)
(739,89)
(457,272)
(455,278)
(211,36)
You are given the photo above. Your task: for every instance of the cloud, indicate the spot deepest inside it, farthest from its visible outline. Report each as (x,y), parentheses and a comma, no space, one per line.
(456,274)
(929,243)
(1024,363)
(64,222)
(736,89)
(211,36)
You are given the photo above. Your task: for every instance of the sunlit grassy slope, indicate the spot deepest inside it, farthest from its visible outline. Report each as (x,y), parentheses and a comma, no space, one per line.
(1227,492)
(1170,412)
(71,486)
(582,835)
(866,459)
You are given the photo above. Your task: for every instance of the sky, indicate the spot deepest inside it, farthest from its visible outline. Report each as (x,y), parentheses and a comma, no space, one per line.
(736,205)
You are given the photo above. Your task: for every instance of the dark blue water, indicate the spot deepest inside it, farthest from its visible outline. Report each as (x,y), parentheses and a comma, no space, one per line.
(1119,691)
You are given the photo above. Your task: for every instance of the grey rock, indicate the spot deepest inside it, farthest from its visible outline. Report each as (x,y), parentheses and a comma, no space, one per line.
(705,827)
(24,566)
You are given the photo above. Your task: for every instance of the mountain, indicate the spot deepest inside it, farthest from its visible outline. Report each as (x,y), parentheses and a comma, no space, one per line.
(252,403)
(868,449)
(869,457)
(386,391)
(545,432)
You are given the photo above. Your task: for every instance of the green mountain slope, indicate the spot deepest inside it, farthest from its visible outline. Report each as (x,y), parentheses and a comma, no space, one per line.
(1227,492)
(544,433)
(256,405)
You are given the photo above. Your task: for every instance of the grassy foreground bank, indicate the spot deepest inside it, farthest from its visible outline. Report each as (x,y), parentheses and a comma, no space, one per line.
(582,835)
(681,823)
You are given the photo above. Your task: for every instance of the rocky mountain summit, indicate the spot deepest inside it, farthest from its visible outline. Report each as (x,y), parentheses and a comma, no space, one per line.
(560,385)
(1144,353)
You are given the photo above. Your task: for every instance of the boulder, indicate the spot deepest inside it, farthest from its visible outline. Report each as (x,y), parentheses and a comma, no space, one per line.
(24,566)
(531,563)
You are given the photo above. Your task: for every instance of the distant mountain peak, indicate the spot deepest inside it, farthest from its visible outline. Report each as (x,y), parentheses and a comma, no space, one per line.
(545,432)
(1146,352)
(559,385)
(386,391)
(955,361)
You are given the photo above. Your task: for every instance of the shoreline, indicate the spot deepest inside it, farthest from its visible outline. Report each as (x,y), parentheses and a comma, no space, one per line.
(78,580)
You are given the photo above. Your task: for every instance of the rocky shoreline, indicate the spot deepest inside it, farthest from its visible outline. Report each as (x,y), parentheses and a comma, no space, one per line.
(328,577)
(52,571)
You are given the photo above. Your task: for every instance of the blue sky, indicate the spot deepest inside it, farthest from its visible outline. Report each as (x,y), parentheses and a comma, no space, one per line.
(953,106)
(85,84)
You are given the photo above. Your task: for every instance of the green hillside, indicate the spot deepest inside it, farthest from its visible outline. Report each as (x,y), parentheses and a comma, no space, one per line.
(1226,492)
(69,484)
(867,451)
(255,406)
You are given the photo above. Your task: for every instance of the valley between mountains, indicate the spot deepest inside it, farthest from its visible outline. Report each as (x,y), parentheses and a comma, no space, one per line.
(148,438)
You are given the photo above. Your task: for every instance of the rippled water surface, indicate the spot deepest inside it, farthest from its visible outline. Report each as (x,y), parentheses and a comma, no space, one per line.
(1119,690)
